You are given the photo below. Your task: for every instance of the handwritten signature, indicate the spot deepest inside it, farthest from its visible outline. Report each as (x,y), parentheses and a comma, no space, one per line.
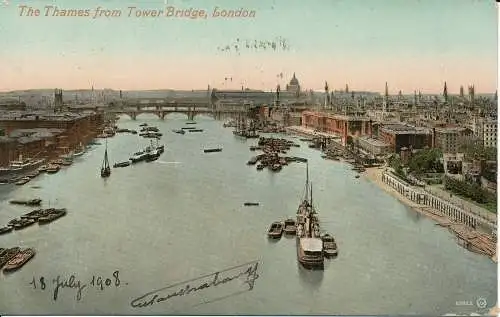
(59,283)
(247,271)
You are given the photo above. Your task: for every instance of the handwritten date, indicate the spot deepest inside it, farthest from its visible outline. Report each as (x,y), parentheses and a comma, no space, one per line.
(59,283)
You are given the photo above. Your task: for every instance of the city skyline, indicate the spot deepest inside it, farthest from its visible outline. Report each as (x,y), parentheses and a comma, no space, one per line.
(417,45)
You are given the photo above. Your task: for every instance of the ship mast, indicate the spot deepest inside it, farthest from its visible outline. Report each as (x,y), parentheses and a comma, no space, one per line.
(307,181)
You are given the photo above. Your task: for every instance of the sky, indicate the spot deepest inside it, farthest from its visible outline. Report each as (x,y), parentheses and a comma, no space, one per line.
(411,44)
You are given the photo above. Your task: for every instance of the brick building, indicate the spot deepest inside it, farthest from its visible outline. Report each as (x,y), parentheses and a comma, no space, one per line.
(343,125)
(78,127)
(46,135)
(401,135)
(36,143)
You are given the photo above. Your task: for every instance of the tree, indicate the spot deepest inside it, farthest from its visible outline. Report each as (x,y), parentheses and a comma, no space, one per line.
(426,160)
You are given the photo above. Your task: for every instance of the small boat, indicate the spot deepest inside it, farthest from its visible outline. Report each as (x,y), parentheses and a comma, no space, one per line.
(121,164)
(143,125)
(290,227)
(67,162)
(105,169)
(19,260)
(191,122)
(276,167)
(188,128)
(30,202)
(179,131)
(132,131)
(8,254)
(275,230)
(55,214)
(196,130)
(250,204)
(33,174)
(23,223)
(23,181)
(79,153)
(260,167)
(5,229)
(153,155)
(253,160)
(35,214)
(212,150)
(53,168)
(357,176)
(329,245)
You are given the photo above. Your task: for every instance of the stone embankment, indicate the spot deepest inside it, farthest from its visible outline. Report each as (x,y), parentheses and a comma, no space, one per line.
(463,223)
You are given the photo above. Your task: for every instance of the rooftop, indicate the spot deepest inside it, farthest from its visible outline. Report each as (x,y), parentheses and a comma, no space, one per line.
(373,141)
(42,115)
(30,135)
(400,128)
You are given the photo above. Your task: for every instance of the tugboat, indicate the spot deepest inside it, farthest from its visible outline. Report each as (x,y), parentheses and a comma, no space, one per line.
(275,230)
(105,169)
(138,157)
(19,260)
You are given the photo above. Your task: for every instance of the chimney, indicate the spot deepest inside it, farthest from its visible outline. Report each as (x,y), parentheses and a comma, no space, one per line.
(433,141)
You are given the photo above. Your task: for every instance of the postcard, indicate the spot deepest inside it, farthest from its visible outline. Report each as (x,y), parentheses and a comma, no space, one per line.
(265,157)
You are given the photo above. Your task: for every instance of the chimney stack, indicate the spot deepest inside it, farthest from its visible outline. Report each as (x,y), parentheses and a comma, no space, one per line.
(433,138)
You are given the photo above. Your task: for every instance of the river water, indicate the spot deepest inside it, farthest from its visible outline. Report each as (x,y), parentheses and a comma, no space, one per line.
(182,217)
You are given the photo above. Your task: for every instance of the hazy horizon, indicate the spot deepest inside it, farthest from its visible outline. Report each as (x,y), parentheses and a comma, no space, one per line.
(412,45)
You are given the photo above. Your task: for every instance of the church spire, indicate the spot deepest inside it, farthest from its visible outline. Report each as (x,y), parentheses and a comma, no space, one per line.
(445,92)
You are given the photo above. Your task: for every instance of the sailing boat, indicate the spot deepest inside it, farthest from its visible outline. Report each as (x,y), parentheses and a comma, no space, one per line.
(105,169)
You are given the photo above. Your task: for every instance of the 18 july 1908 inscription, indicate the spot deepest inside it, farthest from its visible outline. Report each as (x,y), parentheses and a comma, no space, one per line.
(57,284)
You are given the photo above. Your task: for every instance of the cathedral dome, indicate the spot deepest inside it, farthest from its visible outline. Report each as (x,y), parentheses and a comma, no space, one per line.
(294,81)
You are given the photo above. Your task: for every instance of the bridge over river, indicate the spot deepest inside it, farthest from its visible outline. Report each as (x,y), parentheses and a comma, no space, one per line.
(162,107)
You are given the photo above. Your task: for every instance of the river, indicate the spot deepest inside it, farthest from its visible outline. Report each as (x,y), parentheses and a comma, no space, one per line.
(182,217)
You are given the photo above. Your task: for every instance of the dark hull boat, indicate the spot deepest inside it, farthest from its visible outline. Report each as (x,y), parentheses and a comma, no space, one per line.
(30,202)
(179,131)
(5,229)
(122,164)
(250,204)
(212,150)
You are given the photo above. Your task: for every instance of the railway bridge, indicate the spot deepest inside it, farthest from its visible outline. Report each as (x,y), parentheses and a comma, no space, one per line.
(163,108)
